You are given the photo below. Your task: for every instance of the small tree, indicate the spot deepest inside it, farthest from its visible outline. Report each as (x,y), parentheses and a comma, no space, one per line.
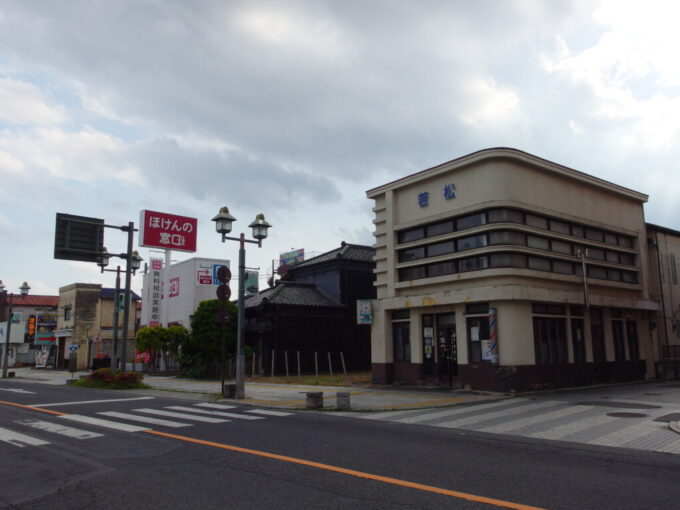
(152,339)
(202,349)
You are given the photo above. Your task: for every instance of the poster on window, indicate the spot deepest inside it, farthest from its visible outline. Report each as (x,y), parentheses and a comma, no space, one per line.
(486,350)
(474,334)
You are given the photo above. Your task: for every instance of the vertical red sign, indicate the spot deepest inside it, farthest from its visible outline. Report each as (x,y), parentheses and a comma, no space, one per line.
(167,231)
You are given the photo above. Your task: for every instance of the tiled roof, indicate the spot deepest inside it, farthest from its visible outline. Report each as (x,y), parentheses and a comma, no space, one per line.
(35,300)
(293,294)
(350,252)
(108,293)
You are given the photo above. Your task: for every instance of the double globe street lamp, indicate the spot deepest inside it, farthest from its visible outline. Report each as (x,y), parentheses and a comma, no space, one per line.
(260,226)
(24,291)
(135,262)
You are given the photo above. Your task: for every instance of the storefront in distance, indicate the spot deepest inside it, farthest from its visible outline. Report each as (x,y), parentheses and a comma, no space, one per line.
(501,270)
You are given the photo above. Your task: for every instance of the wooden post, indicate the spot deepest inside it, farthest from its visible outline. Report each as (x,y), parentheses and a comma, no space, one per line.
(344,368)
(316,363)
(298,360)
(285,355)
(330,365)
(273,351)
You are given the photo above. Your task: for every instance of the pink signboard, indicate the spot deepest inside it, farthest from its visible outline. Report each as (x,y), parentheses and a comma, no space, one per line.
(167,231)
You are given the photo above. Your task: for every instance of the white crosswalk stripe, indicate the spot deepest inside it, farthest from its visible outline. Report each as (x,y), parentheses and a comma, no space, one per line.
(181,416)
(144,419)
(20,440)
(268,412)
(215,413)
(57,428)
(215,406)
(563,430)
(91,420)
(471,420)
(454,411)
(518,423)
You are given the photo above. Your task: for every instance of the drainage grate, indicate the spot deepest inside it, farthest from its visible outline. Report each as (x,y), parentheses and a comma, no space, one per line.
(627,415)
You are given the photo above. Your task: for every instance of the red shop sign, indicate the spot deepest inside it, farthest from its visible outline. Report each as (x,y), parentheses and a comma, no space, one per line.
(167,231)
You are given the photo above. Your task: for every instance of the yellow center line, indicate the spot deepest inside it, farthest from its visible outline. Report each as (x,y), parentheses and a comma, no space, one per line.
(32,408)
(351,472)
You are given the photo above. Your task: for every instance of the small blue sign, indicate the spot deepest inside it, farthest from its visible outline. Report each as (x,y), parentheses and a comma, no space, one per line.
(423,199)
(449,191)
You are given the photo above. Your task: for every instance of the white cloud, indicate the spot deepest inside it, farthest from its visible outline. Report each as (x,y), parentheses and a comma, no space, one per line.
(487,103)
(23,103)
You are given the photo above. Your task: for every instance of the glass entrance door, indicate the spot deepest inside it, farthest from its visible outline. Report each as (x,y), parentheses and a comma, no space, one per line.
(447,349)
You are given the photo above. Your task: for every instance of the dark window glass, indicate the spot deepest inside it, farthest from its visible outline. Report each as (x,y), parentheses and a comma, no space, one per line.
(539,264)
(550,340)
(633,347)
(411,273)
(411,254)
(441,248)
(477,330)
(563,267)
(629,276)
(594,234)
(401,315)
(627,259)
(472,264)
(547,309)
(610,238)
(616,313)
(441,268)
(540,243)
(444,227)
(413,234)
(537,221)
(597,272)
(401,341)
(476,308)
(619,345)
(614,275)
(506,237)
(613,256)
(596,253)
(625,241)
(474,220)
(578,340)
(576,310)
(560,247)
(577,230)
(559,226)
(505,216)
(508,260)
(470,243)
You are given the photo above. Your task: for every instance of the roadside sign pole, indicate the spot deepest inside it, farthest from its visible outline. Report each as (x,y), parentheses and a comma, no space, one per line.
(128,279)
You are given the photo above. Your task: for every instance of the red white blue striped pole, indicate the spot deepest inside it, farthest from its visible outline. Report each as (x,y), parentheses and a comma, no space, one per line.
(493,333)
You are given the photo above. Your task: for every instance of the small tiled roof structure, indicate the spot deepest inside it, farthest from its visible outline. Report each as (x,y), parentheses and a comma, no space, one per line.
(346,252)
(292,294)
(35,300)
(108,293)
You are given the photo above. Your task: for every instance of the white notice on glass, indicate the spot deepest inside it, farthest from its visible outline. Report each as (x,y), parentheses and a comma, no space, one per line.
(474,334)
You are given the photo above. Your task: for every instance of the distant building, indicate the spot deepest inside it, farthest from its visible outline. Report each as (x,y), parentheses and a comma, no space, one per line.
(313,310)
(86,319)
(188,283)
(34,322)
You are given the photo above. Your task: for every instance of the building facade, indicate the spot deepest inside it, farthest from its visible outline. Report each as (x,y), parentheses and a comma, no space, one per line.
(501,270)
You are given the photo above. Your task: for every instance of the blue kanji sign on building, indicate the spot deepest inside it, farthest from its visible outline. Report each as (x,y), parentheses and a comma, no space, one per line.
(423,199)
(449,191)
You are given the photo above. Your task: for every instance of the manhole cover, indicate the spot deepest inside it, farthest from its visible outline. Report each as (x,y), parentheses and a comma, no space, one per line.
(627,415)
(620,405)
(669,417)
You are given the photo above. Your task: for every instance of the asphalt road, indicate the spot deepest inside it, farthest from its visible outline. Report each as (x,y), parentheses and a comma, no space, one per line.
(294,460)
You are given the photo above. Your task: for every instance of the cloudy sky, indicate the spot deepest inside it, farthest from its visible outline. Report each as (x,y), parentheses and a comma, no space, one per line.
(296,108)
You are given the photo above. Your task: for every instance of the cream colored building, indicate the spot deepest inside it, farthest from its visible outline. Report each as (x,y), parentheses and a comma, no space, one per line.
(480,277)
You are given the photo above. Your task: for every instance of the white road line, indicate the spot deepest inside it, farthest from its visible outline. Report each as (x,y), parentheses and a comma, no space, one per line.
(215,413)
(456,411)
(471,420)
(91,420)
(268,412)
(91,402)
(560,431)
(215,406)
(15,438)
(57,428)
(17,390)
(414,414)
(182,416)
(518,423)
(145,419)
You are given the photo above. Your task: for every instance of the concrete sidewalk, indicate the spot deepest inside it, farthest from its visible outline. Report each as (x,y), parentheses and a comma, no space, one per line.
(291,396)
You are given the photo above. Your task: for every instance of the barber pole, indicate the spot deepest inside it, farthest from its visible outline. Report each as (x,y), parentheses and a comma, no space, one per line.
(493,333)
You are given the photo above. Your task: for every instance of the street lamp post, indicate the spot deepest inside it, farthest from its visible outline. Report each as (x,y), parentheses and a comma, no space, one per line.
(260,226)
(134,261)
(5,353)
